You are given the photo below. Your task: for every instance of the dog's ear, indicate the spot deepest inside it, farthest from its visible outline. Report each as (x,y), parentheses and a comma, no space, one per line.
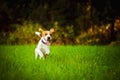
(52,30)
(41,30)
(38,33)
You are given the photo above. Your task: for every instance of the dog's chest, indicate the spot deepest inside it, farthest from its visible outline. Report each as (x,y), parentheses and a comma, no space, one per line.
(45,48)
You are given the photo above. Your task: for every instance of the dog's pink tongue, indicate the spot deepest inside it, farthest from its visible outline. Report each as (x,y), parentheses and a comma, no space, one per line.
(47,42)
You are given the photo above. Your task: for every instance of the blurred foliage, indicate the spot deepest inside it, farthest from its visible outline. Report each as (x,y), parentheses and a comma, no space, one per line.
(25,34)
(75,21)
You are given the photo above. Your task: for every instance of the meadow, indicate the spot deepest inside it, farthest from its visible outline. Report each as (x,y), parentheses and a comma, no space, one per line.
(17,62)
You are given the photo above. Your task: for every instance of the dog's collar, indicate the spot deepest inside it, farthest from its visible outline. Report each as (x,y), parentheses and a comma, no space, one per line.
(44,42)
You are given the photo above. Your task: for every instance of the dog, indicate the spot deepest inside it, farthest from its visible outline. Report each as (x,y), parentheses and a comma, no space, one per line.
(43,47)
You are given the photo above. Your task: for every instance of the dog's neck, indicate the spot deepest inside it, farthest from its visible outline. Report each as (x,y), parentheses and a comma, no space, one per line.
(44,41)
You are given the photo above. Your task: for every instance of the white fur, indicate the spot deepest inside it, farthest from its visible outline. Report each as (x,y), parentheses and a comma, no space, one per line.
(37,33)
(43,47)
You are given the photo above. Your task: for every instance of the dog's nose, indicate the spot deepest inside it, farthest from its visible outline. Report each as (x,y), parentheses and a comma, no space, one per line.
(48,38)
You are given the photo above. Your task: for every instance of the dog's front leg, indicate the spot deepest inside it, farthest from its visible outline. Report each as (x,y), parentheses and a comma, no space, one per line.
(46,54)
(41,55)
(38,53)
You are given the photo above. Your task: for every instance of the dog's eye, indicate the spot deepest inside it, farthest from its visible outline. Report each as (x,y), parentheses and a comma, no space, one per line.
(50,34)
(45,34)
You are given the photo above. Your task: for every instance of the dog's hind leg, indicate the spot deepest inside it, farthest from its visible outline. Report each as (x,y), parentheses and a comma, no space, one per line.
(36,54)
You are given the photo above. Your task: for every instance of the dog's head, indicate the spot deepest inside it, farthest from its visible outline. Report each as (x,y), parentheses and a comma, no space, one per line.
(45,34)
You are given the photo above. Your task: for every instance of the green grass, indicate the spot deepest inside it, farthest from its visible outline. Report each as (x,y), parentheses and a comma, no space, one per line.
(63,63)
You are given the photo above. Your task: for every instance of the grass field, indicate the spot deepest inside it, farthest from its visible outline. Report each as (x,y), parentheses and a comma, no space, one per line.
(64,63)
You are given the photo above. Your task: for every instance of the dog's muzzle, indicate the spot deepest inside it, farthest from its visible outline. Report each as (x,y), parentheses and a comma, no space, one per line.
(48,38)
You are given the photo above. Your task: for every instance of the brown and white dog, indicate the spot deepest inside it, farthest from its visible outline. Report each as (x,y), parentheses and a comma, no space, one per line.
(43,47)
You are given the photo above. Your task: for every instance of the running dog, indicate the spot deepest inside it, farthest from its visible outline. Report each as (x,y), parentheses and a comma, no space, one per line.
(43,47)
